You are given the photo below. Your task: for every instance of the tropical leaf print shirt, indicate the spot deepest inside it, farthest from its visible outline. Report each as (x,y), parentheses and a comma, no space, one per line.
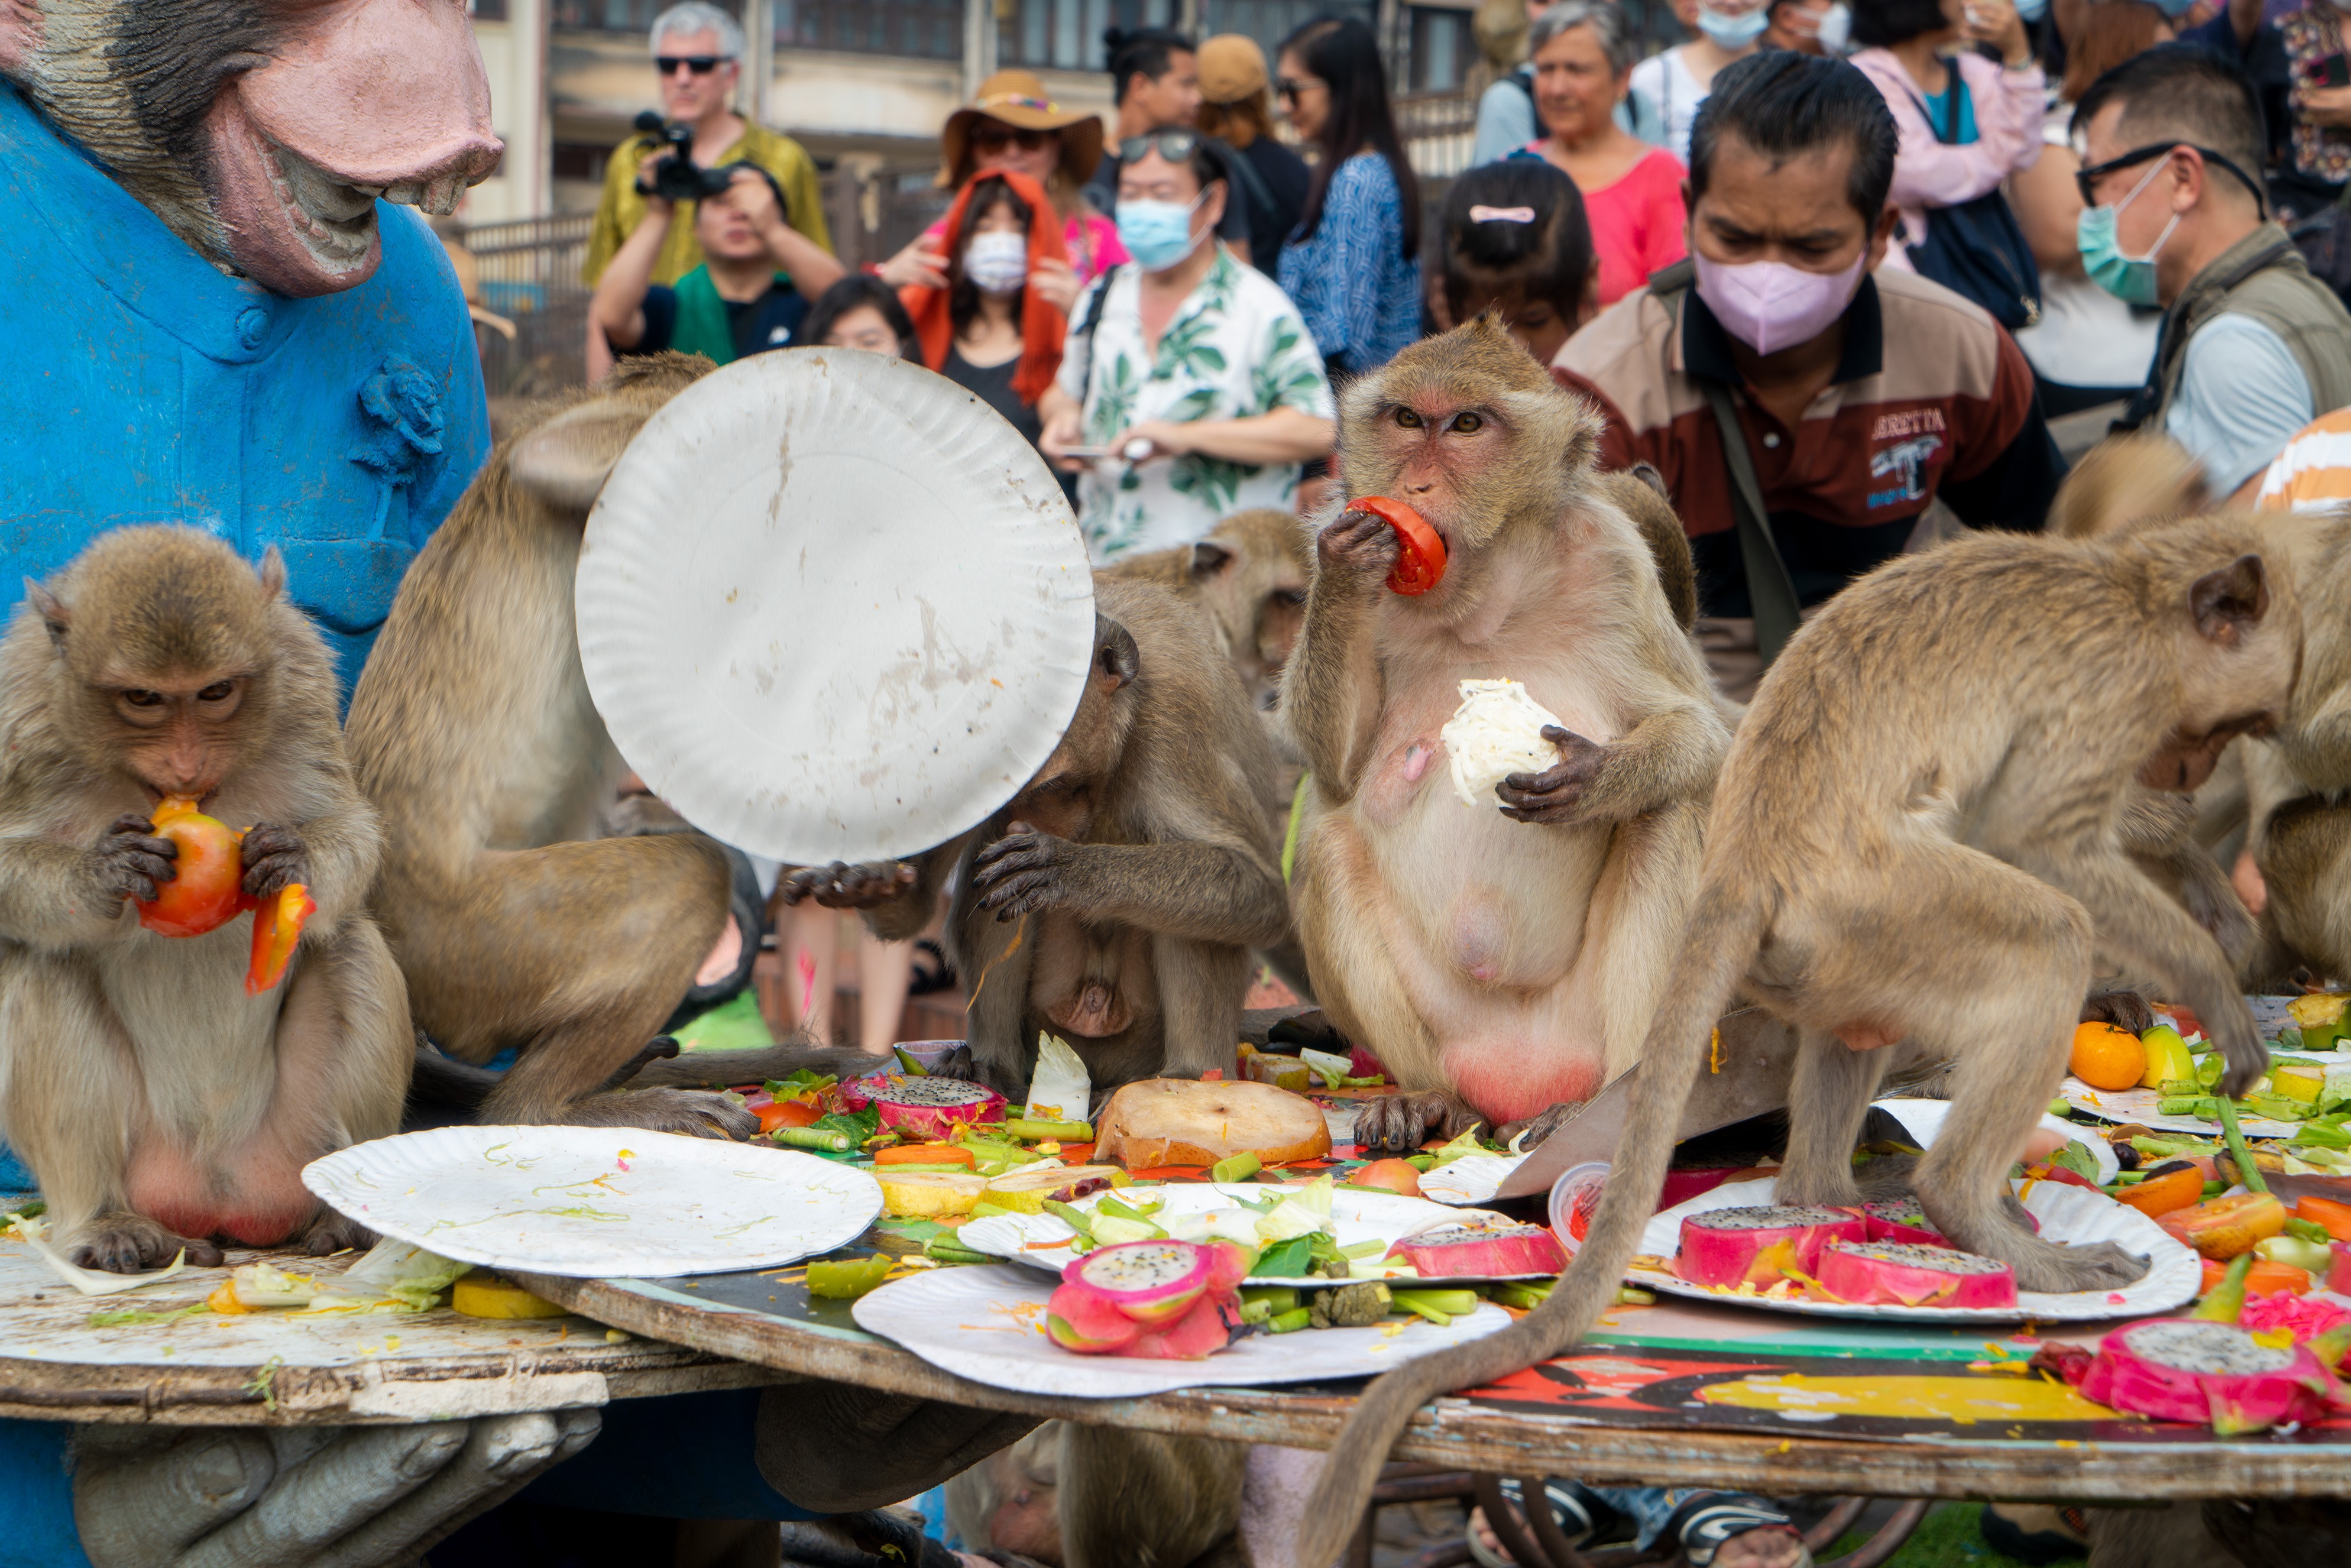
(1234,349)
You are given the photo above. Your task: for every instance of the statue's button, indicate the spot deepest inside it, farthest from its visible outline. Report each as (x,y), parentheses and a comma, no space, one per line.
(252,326)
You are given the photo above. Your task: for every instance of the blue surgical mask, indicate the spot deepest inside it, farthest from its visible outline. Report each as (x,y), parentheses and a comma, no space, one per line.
(1158,235)
(2129,278)
(1733,30)
(2175,9)
(2034,10)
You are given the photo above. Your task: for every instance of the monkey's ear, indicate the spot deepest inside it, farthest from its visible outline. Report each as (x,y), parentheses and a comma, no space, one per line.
(1646,473)
(1209,558)
(1116,658)
(272,574)
(20,33)
(2225,603)
(55,616)
(567,460)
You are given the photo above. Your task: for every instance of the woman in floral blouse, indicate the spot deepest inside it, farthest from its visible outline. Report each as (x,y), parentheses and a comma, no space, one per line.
(1190,387)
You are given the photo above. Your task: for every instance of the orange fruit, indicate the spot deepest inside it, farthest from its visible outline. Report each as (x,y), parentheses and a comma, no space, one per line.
(2108,1058)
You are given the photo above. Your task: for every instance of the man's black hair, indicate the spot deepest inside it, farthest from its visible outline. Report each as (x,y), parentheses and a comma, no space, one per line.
(1547,258)
(1784,105)
(1882,24)
(854,292)
(2181,92)
(783,205)
(1140,51)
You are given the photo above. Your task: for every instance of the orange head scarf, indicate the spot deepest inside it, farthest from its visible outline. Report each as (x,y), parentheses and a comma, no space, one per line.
(1042,327)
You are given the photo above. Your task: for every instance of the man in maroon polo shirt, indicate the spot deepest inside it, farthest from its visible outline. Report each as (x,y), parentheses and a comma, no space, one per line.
(1861,396)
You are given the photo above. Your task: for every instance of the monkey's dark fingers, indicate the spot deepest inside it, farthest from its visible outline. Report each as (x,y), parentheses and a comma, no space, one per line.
(1024,896)
(140,827)
(273,874)
(1029,854)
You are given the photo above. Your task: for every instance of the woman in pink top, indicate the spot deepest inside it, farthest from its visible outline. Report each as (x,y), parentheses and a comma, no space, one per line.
(1011,126)
(1955,145)
(1632,191)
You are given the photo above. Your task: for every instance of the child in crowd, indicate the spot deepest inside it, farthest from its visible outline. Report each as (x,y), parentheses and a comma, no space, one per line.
(1516,242)
(860,311)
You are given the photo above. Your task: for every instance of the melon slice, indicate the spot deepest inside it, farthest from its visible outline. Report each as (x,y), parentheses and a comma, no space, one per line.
(1027,1190)
(1909,1274)
(927,1194)
(1488,1252)
(926,1109)
(1180,1122)
(1756,1246)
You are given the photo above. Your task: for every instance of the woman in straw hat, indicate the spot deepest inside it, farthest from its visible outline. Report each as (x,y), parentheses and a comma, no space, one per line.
(1012,127)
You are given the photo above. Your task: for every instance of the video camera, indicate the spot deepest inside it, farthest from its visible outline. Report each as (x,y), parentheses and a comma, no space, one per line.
(677,178)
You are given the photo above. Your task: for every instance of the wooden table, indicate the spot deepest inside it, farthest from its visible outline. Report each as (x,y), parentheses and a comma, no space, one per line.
(277,1369)
(1681,1393)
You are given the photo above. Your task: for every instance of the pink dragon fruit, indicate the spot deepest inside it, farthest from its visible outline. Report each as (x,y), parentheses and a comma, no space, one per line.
(1908,1274)
(1901,1219)
(1482,1251)
(2201,1372)
(1758,1246)
(1172,1301)
(926,1110)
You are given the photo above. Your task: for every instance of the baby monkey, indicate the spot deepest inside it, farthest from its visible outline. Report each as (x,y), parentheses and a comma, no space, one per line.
(1919,834)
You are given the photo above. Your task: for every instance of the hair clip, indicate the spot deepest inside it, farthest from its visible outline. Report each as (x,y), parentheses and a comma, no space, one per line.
(1501,214)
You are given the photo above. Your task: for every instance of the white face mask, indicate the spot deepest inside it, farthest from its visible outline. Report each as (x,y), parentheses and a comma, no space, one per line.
(998,261)
(1836,31)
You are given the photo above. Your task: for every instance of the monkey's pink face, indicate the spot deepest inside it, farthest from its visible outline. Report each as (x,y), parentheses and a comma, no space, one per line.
(361,99)
(180,737)
(1438,452)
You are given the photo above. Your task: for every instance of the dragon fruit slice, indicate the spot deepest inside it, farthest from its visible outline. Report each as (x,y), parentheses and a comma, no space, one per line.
(1150,1282)
(1202,1329)
(1908,1274)
(1756,1246)
(1901,1219)
(924,1109)
(1487,1251)
(2193,1370)
(1083,1319)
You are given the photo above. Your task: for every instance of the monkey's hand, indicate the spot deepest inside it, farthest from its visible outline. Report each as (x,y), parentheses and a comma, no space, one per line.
(1400,1124)
(2246,1058)
(1359,550)
(1559,795)
(867,885)
(1023,872)
(131,862)
(275,858)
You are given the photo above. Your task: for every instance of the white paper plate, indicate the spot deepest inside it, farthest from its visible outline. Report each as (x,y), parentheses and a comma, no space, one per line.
(1472,1178)
(832,607)
(987,1322)
(2139,1105)
(597,1202)
(1923,1120)
(2066,1213)
(1357,1215)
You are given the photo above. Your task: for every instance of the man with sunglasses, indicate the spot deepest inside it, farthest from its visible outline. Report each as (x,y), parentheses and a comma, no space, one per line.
(1156,82)
(2253,346)
(698,53)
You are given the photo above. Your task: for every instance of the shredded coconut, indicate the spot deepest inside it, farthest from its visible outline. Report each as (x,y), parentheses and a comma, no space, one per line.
(1497,731)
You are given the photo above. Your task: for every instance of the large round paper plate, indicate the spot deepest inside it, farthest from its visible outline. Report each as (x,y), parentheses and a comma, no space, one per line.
(987,1321)
(832,607)
(1358,1215)
(2066,1213)
(597,1202)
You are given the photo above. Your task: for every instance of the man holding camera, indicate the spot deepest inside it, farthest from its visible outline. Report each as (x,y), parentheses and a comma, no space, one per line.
(698,50)
(749,293)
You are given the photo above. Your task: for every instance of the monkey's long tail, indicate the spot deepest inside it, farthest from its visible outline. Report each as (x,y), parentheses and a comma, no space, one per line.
(1722,935)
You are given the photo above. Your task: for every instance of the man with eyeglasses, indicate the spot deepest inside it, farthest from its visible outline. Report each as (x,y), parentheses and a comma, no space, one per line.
(1155,78)
(2252,345)
(699,51)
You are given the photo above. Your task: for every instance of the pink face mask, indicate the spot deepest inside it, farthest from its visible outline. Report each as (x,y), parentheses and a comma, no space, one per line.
(1770,305)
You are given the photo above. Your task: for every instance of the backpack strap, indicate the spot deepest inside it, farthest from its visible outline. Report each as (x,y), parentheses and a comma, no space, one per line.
(1770,591)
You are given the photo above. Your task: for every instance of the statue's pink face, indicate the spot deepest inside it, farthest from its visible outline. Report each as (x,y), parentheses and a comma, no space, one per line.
(320,107)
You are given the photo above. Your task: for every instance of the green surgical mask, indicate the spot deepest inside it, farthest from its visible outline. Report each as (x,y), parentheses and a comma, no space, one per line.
(2129,278)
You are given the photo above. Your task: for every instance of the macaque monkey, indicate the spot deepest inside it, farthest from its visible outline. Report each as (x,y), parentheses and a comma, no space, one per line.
(473,732)
(1917,836)
(160,1107)
(1114,901)
(1249,577)
(1499,962)
(1099,1497)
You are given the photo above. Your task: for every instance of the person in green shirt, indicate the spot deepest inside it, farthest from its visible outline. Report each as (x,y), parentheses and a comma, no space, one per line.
(698,50)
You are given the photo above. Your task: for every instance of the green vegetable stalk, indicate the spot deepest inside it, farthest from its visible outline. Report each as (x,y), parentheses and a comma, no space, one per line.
(2246,1171)
(1235,1167)
(2225,1301)
(1289,1321)
(1060,1132)
(812,1138)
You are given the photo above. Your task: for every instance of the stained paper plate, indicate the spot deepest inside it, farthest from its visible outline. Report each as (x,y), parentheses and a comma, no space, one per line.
(2066,1213)
(2139,1105)
(987,1322)
(832,607)
(1472,1178)
(595,1202)
(1357,1215)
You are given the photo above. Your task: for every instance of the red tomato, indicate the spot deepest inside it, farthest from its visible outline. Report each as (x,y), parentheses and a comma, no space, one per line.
(1420,559)
(203,892)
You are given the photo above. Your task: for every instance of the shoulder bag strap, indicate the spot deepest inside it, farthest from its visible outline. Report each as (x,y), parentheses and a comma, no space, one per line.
(1770,593)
